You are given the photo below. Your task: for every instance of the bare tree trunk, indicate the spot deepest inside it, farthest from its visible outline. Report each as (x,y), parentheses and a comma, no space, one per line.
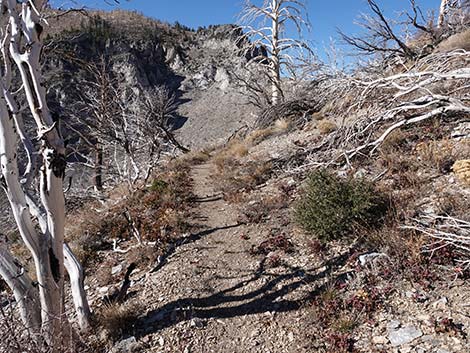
(442,13)
(42,303)
(275,64)
(98,177)
(22,287)
(75,271)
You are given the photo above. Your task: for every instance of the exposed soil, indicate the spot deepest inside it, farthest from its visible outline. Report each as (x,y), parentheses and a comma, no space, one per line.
(213,294)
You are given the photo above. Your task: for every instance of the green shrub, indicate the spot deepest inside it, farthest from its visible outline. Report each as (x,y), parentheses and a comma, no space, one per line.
(159,186)
(332,207)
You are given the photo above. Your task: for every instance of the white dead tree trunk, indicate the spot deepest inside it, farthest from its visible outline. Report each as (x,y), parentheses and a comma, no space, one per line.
(443,12)
(451,12)
(265,26)
(21,45)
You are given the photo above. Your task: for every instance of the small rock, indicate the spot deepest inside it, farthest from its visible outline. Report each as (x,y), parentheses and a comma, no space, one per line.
(116,269)
(440,304)
(291,182)
(128,345)
(361,173)
(103,290)
(367,258)
(197,323)
(424,319)
(442,351)
(394,324)
(427,338)
(379,340)
(404,335)
(290,336)
(161,341)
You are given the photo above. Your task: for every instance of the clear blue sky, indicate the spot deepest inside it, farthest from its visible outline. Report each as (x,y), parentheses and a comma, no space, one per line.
(325,16)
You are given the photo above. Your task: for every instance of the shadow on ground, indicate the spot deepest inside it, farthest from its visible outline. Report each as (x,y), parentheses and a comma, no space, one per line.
(268,297)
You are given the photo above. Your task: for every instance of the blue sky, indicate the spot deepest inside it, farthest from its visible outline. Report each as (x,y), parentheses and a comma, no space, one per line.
(325,16)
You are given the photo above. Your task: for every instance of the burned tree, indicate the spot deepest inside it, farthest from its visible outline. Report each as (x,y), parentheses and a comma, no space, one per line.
(40,218)
(265,26)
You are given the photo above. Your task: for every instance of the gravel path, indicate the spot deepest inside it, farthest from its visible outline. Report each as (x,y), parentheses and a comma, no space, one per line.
(212,295)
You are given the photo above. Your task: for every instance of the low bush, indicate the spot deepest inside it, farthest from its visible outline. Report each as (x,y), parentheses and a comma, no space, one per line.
(234,178)
(332,207)
(118,319)
(157,212)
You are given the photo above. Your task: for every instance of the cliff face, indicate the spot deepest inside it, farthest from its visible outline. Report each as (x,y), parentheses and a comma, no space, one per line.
(140,53)
(197,65)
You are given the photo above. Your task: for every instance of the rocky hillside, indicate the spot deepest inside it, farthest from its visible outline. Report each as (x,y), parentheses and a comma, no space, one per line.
(197,65)
(336,222)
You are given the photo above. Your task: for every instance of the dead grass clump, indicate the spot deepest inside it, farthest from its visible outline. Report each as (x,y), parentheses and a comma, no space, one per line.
(259,211)
(395,141)
(461,169)
(119,319)
(439,154)
(453,204)
(197,157)
(257,136)
(318,116)
(457,41)
(326,126)
(144,256)
(233,178)
(236,149)
(156,212)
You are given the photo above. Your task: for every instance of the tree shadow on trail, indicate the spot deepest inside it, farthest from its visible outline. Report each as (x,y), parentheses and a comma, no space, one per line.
(227,304)
(187,240)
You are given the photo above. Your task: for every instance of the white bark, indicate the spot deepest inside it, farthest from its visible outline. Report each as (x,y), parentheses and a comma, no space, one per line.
(442,13)
(22,287)
(40,305)
(270,36)
(49,258)
(276,67)
(75,271)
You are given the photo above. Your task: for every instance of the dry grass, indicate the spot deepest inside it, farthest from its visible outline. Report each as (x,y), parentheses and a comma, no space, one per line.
(159,212)
(461,169)
(118,319)
(83,233)
(257,136)
(318,116)
(234,178)
(441,154)
(326,126)
(196,157)
(457,41)
(228,156)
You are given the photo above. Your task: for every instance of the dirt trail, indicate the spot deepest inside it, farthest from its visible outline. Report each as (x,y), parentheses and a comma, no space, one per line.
(212,295)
